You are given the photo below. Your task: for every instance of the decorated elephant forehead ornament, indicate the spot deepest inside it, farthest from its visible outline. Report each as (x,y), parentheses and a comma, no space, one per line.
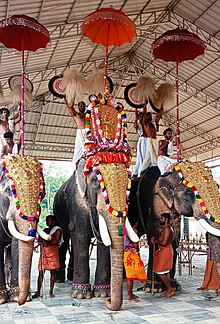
(25,176)
(108,153)
(198,177)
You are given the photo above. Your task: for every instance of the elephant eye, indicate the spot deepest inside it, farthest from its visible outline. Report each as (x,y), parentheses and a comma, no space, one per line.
(94,180)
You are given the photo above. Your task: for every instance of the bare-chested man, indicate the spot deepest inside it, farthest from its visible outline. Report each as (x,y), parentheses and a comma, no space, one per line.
(79,118)
(7,124)
(165,151)
(10,147)
(163,258)
(150,129)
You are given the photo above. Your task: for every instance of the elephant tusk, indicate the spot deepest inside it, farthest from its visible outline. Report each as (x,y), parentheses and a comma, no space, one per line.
(209,228)
(14,232)
(104,231)
(130,232)
(46,237)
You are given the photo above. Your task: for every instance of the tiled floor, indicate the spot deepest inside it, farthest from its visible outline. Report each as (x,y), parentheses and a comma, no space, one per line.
(186,306)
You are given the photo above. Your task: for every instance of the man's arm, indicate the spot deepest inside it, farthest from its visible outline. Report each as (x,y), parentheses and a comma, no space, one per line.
(3,151)
(163,144)
(70,107)
(55,238)
(17,117)
(135,121)
(158,117)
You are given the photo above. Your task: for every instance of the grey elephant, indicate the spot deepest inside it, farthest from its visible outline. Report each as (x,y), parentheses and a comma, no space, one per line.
(189,190)
(21,189)
(94,200)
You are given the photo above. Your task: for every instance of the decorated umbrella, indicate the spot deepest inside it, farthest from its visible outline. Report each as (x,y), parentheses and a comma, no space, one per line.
(108,26)
(177,45)
(23,33)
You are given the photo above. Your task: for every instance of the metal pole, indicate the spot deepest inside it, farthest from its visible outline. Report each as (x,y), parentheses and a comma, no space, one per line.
(152,286)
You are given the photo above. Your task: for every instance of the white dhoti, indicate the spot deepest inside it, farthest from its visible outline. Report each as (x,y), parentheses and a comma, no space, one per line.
(164,162)
(79,146)
(151,154)
(141,153)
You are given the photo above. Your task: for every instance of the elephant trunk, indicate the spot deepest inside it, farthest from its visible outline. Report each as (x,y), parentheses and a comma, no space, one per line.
(25,260)
(115,301)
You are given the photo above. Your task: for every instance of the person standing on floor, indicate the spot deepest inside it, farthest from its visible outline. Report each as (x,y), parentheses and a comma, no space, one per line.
(49,255)
(163,258)
(133,264)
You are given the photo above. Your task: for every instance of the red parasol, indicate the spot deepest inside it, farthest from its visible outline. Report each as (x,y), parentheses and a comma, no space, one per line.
(23,33)
(108,26)
(177,45)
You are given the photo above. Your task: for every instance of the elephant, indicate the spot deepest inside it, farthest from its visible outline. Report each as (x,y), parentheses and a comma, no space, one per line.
(94,200)
(188,190)
(20,185)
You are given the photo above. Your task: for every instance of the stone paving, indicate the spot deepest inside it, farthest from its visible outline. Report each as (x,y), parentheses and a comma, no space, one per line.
(186,306)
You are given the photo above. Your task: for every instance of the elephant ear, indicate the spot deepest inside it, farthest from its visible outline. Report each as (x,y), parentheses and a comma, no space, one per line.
(165,189)
(80,178)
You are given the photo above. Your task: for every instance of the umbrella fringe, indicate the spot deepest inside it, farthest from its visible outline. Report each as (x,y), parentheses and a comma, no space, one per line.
(1,92)
(95,82)
(74,82)
(145,89)
(166,94)
(28,97)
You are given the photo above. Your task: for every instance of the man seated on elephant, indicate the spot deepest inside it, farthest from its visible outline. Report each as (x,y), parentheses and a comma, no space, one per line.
(165,151)
(49,255)
(163,258)
(79,118)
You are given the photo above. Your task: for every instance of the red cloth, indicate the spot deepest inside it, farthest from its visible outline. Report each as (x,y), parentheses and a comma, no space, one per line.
(49,259)
(163,259)
(134,267)
(211,280)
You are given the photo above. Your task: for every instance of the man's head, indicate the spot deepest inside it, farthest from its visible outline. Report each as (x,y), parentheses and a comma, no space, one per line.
(81,106)
(8,136)
(168,133)
(140,116)
(4,113)
(164,218)
(50,220)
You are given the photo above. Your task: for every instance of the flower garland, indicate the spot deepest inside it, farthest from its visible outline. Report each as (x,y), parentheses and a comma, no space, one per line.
(196,193)
(92,115)
(105,194)
(17,203)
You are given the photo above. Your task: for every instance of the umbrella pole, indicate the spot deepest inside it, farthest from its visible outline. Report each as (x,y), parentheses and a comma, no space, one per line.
(22,100)
(177,113)
(105,69)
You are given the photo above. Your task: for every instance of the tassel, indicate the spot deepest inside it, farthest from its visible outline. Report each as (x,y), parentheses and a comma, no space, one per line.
(124,230)
(95,82)
(120,229)
(145,89)
(74,83)
(166,94)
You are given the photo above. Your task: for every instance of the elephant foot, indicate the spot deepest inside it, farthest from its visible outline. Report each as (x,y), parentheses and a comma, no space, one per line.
(70,274)
(3,296)
(13,294)
(60,275)
(81,291)
(157,287)
(102,291)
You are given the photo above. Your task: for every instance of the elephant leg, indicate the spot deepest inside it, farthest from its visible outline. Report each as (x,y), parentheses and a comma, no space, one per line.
(60,273)
(81,287)
(3,289)
(14,271)
(101,286)
(70,265)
